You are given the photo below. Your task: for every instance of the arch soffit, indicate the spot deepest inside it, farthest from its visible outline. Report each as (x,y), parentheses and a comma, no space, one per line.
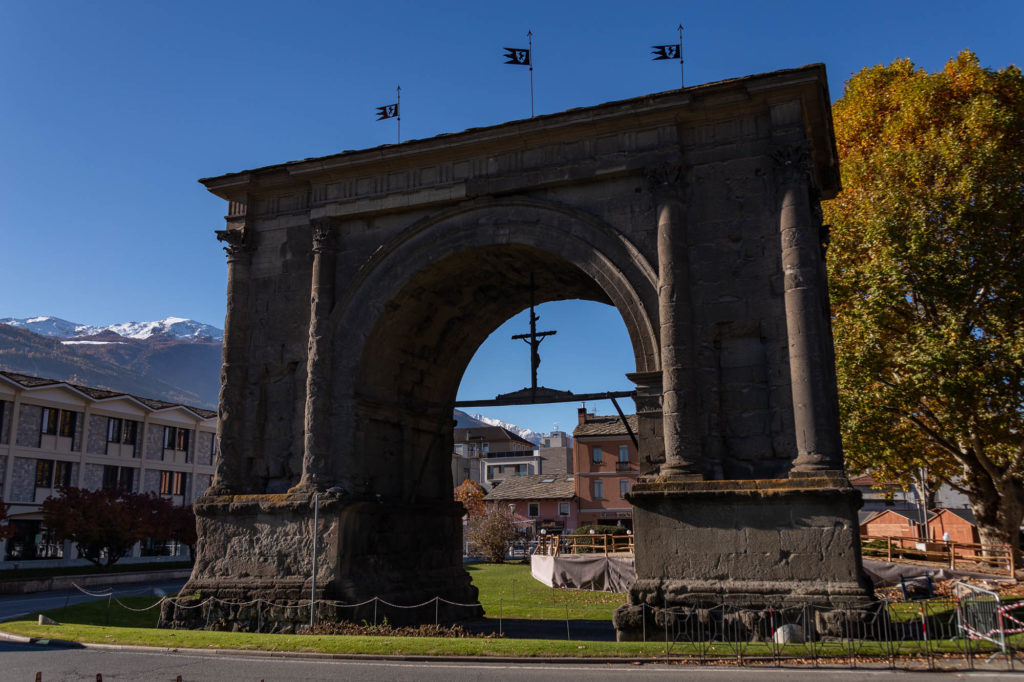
(614,263)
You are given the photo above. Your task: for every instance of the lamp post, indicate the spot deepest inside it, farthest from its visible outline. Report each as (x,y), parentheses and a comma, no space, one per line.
(336,489)
(312,588)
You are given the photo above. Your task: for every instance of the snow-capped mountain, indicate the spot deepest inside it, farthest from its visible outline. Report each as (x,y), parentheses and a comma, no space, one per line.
(528,434)
(176,328)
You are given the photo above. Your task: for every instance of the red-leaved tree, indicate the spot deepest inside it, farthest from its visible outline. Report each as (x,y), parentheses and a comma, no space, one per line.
(104,524)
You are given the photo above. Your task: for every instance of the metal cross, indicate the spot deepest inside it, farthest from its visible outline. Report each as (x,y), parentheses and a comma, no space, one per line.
(534,338)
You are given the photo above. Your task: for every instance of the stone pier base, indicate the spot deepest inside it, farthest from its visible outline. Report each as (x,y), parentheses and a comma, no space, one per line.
(754,546)
(260,547)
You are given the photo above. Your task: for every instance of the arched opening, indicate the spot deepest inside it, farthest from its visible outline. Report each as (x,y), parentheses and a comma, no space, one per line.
(420,347)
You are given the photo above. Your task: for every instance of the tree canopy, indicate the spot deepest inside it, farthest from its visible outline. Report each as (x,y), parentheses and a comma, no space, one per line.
(105,524)
(471,494)
(926,267)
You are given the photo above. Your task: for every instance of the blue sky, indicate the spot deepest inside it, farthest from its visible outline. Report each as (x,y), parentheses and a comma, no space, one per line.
(110,112)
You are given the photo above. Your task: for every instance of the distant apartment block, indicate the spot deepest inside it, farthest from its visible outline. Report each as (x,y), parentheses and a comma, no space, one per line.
(490,454)
(555,450)
(54,433)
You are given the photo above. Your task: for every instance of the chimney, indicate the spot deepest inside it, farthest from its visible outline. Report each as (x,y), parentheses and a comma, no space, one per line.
(582,412)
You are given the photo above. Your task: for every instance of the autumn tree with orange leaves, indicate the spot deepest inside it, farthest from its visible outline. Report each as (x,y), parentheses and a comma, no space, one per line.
(926,270)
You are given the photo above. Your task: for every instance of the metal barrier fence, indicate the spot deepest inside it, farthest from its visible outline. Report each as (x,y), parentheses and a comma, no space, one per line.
(971,630)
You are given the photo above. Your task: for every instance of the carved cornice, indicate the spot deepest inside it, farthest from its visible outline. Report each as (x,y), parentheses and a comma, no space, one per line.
(236,241)
(793,162)
(665,180)
(324,236)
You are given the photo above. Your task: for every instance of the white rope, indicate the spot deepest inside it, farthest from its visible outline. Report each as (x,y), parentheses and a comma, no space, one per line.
(98,595)
(125,606)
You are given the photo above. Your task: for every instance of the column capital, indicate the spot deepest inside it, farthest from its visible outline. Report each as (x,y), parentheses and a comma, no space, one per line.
(665,181)
(324,235)
(237,242)
(793,162)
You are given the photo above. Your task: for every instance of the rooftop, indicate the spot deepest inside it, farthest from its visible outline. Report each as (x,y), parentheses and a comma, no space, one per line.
(534,487)
(31,382)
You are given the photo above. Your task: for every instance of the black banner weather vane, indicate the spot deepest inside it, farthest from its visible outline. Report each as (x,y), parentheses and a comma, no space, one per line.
(671,52)
(518,56)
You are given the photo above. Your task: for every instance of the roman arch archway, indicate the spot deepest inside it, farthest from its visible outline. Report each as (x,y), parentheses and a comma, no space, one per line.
(361,284)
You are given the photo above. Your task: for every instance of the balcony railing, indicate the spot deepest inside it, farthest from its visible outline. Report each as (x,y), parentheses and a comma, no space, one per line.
(622,466)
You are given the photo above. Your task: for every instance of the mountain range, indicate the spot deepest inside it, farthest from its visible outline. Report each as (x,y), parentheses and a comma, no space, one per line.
(172,359)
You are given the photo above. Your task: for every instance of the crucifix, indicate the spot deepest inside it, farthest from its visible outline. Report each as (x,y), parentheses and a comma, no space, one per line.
(533,338)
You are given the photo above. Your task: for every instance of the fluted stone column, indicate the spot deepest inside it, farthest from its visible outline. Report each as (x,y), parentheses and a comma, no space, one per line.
(227,477)
(316,442)
(675,310)
(810,354)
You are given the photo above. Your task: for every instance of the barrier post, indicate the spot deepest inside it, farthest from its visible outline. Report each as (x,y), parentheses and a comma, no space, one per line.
(437,606)
(500,630)
(888,548)
(568,635)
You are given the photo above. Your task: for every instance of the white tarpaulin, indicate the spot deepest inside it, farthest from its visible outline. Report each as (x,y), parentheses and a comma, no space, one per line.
(597,572)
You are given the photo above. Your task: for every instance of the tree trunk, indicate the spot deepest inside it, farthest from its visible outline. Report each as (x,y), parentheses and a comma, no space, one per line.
(998,506)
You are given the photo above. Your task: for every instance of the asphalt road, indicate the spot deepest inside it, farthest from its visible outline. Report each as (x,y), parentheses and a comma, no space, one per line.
(18,605)
(22,662)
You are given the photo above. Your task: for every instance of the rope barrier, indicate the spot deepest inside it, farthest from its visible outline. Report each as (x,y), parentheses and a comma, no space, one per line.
(98,595)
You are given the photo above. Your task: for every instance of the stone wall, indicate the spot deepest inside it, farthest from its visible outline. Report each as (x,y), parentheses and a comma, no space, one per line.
(151,480)
(23,480)
(153,442)
(97,441)
(92,476)
(203,448)
(30,421)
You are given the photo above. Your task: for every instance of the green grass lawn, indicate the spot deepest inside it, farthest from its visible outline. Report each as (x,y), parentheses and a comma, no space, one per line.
(506,586)
(510,589)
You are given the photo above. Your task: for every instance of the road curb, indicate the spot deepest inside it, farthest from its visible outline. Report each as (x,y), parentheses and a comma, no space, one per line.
(39,641)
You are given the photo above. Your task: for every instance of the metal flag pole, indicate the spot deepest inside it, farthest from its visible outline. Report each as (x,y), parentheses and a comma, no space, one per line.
(682,83)
(529,37)
(398,109)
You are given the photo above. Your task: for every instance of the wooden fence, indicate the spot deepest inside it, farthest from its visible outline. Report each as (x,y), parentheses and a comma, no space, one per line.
(957,555)
(555,545)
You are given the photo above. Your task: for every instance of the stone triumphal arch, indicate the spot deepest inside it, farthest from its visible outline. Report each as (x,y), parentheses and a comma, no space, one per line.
(361,284)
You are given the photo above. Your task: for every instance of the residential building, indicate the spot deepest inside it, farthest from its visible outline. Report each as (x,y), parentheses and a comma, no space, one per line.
(546,502)
(55,433)
(606,466)
(555,450)
(491,454)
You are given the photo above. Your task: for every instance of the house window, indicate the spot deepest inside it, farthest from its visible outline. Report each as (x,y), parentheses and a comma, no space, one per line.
(114,429)
(522,469)
(61,474)
(118,478)
(213,444)
(175,438)
(50,420)
(563,508)
(598,489)
(67,423)
(623,453)
(51,474)
(485,448)
(44,473)
(533,509)
(172,483)
(131,432)
(597,455)
(623,487)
